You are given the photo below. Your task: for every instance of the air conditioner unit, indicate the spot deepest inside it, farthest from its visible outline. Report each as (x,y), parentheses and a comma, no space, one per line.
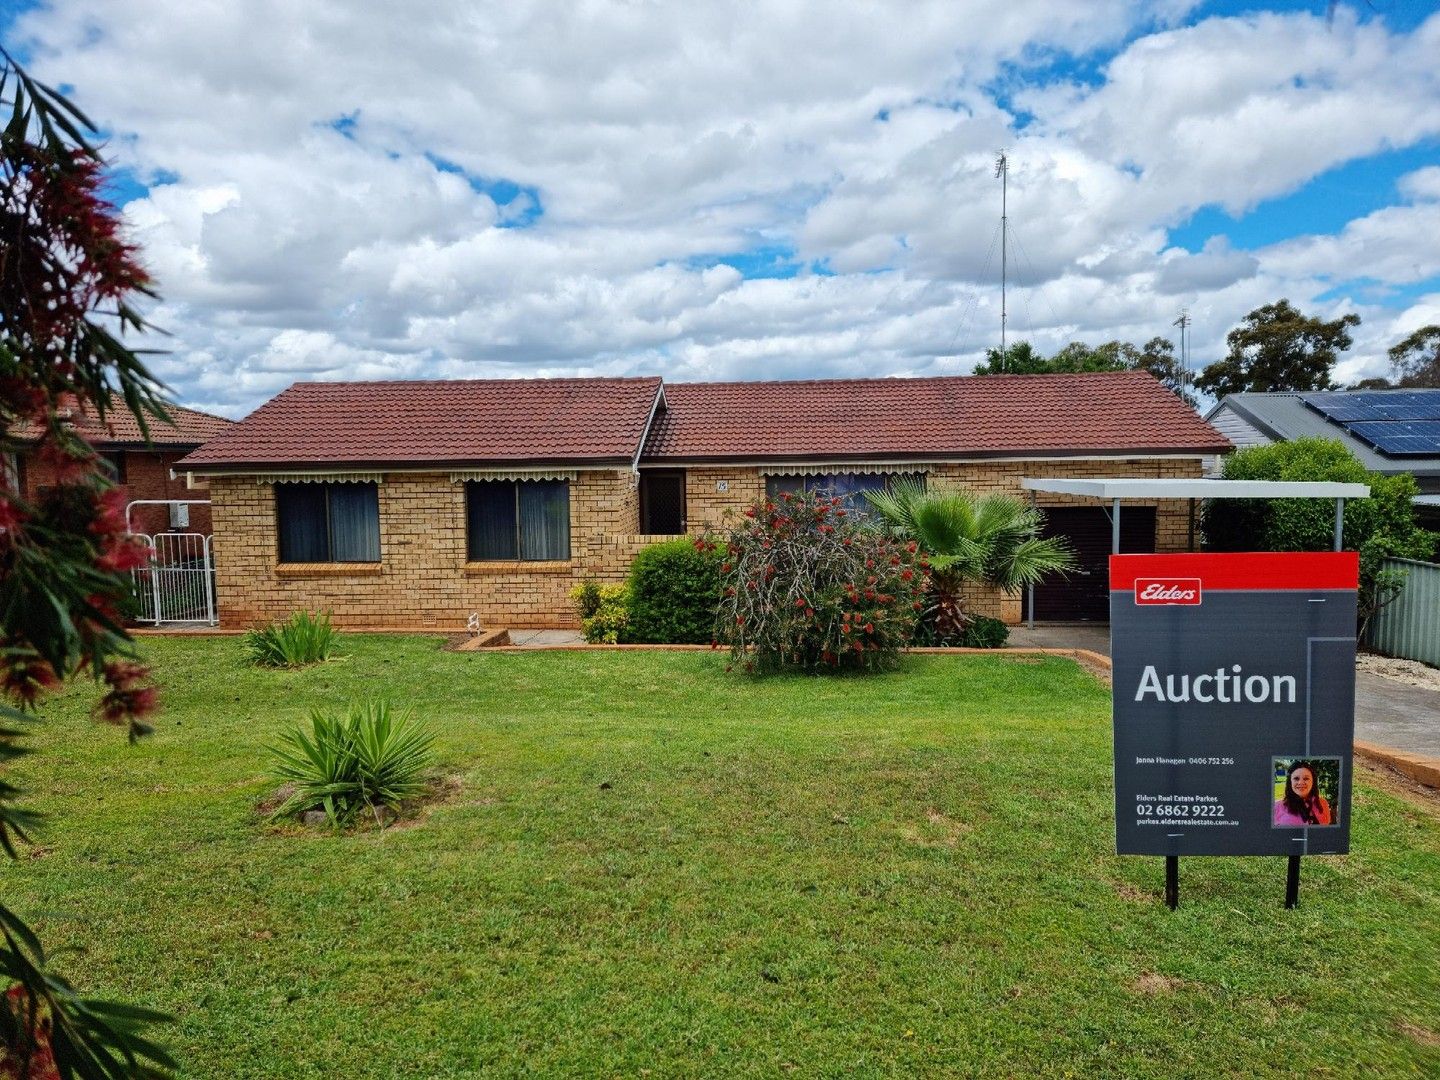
(179,516)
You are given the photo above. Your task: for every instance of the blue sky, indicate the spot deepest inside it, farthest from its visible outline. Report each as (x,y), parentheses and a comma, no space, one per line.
(331,191)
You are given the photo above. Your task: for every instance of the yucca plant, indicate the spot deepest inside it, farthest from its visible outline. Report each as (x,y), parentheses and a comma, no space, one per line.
(368,758)
(992,539)
(300,640)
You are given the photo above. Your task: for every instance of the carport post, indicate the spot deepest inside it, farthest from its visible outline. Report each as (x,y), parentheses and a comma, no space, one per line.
(1115,528)
(1030,588)
(1339,522)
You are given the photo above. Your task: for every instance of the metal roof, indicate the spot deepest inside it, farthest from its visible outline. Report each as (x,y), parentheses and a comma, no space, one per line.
(1285,416)
(1150,488)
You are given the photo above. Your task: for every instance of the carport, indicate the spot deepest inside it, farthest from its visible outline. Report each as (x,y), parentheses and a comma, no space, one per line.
(1113,492)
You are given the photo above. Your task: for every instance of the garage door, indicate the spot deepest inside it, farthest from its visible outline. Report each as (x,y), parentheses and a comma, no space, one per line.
(1085,595)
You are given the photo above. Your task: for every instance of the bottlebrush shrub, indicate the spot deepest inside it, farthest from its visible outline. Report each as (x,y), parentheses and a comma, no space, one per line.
(806,585)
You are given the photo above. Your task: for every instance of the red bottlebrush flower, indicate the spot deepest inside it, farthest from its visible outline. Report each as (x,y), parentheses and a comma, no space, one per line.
(739,620)
(799,601)
(827,528)
(906,575)
(730,590)
(124,553)
(839,513)
(110,513)
(869,564)
(871,580)
(25,678)
(724,567)
(869,594)
(869,628)
(750,511)
(910,547)
(810,613)
(845,628)
(894,560)
(916,605)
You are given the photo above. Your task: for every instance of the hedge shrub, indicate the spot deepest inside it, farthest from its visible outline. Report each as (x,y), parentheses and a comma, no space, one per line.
(674,593)
(1379,527)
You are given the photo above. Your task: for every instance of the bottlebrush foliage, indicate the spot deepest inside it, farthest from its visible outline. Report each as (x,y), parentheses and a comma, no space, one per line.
(807,585)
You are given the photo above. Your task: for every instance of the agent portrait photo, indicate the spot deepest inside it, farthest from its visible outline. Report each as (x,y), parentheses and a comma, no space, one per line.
(1306,791)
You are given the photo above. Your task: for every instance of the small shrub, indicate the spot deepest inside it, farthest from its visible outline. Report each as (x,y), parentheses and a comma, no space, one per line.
(805,585)
(300,640)
(983,632)
(364,760)
(604,611)
(674,593)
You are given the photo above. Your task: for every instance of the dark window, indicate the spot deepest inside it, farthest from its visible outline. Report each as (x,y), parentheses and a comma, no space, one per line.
(849,486)
(328,522)
(113,463)
(662,503)
(517,519)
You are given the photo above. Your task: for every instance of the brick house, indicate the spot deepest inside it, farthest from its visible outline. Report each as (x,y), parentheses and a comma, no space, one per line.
(144,468)
(415,504)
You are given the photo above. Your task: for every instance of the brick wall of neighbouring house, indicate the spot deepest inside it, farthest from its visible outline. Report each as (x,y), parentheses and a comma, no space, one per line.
(147,476)
(423,579)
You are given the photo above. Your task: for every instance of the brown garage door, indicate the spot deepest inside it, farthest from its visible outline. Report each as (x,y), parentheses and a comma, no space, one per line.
(1085,595)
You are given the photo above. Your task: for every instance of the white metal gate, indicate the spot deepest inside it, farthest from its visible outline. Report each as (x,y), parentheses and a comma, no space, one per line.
(179,584)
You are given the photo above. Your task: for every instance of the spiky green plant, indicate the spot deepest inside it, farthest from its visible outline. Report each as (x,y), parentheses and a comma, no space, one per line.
(990,539)
(369,757)
(300,640)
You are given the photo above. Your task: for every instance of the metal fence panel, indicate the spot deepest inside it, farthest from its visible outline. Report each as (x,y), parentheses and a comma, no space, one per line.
(178,586)
(1409,627)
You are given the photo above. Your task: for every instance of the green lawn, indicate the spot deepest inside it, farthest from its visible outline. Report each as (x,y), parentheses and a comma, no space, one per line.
(650,867)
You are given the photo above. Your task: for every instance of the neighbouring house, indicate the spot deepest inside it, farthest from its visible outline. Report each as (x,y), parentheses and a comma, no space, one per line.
(416,504)
(142,466)
(1389,431)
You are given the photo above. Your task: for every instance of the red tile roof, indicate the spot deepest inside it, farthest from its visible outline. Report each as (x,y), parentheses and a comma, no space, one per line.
(188,427)
(458,423)
(846,419)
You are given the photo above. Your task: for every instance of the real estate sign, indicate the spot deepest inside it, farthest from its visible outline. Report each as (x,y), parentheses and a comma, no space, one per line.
(1234,702)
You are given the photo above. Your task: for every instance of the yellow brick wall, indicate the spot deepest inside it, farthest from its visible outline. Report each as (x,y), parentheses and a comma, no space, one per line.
(423,579)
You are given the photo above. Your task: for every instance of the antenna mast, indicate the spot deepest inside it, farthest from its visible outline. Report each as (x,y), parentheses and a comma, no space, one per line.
(1183,322)
(1002,170)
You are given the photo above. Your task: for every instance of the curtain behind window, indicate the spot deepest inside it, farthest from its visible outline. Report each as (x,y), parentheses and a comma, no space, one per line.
(354,522)
(490,520)
(545,520)
(300,519)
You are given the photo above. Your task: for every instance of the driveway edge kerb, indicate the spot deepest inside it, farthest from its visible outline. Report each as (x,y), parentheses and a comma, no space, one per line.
(1418,767)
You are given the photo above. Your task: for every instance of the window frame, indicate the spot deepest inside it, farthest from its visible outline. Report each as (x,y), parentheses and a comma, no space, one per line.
(813,481)
(519,544)
(325,488)
(676,474)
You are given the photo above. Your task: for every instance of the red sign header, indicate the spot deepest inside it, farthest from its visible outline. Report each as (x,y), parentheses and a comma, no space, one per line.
(1167,579)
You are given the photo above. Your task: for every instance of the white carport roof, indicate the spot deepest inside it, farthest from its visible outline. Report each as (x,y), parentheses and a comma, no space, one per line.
(1113,488)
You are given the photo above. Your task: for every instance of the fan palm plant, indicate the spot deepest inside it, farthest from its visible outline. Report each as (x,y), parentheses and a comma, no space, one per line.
(990,539)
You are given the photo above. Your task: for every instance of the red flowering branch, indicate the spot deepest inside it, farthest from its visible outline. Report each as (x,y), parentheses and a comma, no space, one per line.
(69,283)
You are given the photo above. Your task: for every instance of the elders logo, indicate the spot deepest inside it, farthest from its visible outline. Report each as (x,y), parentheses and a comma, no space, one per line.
(1167,591)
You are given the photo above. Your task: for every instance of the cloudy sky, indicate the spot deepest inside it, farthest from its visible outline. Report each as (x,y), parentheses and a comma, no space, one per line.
(442,188)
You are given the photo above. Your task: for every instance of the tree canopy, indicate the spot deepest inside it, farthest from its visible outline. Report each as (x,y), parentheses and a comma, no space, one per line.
(1156,356)
(1278,347)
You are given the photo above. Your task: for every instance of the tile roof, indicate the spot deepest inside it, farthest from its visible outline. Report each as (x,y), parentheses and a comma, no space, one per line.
(849,419)
(460,422)
(188,427)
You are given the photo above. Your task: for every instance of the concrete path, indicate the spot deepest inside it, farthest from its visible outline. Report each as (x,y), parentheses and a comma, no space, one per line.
(1387,712)
(545,639)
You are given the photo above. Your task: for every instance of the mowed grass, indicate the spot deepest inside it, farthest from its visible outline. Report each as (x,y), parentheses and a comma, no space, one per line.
(651,867)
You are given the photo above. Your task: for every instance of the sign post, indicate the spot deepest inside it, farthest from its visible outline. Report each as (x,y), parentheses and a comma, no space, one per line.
(1234,705)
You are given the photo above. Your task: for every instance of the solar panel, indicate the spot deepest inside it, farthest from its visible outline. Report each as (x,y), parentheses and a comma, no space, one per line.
(1343,408)
(1400,437)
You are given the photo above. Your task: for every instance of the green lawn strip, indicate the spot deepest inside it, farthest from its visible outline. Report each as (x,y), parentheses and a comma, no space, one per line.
(652,864)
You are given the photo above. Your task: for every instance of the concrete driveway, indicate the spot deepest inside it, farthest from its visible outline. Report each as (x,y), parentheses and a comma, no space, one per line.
(1387,712)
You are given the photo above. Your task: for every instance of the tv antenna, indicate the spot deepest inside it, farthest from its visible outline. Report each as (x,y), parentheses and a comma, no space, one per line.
(1183,322)
(1002,172)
